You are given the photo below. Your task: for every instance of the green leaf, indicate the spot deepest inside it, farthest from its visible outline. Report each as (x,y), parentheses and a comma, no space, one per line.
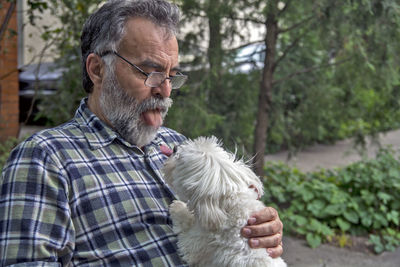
(379,220)
(300,220)
(393,216)
(384,197)
(306,194)
(376,241)
(326,230)
(316,207)
(343,225)
(351,216)
(334,209)
(366,221)
(313,240)
(367,196)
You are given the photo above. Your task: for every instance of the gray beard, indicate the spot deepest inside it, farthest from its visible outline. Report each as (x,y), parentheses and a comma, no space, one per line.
(123,112)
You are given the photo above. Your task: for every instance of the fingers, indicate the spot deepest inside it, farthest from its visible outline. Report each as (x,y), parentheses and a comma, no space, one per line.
(265,215)
(264,230)
(263,223)
(271,241)
(276,252)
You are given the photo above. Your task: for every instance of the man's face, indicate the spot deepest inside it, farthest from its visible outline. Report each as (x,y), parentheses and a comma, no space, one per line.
(135,110)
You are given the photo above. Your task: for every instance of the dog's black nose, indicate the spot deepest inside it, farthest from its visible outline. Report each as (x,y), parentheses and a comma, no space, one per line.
(175,149)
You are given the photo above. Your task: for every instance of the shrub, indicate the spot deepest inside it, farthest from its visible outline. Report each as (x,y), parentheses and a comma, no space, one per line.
(360,199)
(5,149)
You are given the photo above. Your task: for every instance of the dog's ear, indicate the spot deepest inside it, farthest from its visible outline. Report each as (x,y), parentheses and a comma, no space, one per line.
(252,180)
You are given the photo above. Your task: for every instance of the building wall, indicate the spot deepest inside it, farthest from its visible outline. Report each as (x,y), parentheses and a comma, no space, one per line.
(32,48)
(9,112)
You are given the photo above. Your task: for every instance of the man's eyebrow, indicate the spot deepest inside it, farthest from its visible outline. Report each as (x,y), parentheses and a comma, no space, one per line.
(177,69)
(151,64)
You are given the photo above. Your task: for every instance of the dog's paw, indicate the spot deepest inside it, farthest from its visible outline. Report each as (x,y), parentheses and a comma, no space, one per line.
(181,217)
(178,209)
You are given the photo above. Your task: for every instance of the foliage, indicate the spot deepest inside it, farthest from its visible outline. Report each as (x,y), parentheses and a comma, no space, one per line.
(70,91)
(65,37)
(359,199)
(333,78)
(347,87)
(5,148)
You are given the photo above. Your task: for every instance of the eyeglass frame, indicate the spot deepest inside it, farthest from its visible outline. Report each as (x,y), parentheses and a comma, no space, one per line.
(146,73)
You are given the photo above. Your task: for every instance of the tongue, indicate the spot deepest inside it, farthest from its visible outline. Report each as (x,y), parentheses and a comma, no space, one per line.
(152,117)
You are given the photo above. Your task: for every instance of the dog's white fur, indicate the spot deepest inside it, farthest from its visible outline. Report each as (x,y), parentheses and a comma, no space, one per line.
(215,187)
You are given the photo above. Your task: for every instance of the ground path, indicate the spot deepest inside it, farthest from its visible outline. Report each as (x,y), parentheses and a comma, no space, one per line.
(329,156)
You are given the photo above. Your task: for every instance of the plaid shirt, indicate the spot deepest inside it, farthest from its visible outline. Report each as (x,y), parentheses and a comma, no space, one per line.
(79,194)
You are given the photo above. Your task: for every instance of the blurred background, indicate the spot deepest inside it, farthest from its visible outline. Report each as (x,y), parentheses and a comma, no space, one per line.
(267,77)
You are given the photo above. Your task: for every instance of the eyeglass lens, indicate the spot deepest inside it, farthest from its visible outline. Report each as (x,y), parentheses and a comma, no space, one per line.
(155,79)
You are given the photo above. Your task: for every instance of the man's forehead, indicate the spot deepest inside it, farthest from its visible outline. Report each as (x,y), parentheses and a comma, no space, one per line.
(142,29)
(142,34)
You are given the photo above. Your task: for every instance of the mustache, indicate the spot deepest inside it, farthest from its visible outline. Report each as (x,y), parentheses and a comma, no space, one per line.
(162,104)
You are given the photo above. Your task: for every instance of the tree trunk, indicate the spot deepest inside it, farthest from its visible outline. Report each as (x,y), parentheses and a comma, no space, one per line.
(264,98)
(215,53)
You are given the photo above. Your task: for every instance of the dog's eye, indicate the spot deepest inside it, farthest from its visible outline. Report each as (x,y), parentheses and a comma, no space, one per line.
(175,149)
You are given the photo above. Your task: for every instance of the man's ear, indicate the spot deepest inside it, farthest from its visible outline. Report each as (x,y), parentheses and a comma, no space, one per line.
(95,68)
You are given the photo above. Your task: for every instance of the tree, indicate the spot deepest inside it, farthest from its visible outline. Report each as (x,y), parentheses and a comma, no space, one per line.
(65,37)
(335,31)
(325,74)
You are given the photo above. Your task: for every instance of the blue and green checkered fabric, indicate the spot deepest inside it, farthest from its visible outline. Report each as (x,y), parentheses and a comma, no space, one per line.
(79,194)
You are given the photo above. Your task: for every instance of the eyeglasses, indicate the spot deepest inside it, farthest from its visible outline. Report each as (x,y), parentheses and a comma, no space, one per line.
(154,79)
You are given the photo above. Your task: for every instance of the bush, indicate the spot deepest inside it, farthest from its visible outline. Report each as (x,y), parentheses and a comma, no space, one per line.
(5,149)
(360,199)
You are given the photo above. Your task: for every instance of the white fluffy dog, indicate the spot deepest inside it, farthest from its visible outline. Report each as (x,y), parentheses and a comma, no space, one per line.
(215,187)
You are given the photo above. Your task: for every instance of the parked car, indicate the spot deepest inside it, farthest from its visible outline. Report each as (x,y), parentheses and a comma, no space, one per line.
(36,81)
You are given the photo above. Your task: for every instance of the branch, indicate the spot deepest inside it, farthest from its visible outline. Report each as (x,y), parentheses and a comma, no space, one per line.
(8,74)
(48,44)
(245,45)
(290,47)
(284,8)
(298,24)
(252,62)
(7,18)
(309,70)
(247,20)
(195,14)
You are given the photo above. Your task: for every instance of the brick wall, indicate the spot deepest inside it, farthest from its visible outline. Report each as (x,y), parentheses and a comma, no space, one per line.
(9,111)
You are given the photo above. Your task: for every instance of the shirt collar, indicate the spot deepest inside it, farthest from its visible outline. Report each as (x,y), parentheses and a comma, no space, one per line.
(99,134)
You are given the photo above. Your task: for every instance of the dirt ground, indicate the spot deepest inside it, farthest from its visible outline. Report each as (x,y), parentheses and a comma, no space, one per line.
(298,254)
(330,156)
(296,251)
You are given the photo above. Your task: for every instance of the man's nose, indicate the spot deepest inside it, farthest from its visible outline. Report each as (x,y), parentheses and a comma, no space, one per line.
(164,90)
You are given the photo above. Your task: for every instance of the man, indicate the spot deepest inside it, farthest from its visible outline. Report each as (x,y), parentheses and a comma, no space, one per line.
(90,192)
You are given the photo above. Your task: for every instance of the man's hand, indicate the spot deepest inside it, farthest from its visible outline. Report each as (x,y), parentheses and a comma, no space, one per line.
(264,230)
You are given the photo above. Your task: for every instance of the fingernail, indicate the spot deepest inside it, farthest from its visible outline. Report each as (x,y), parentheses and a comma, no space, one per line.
(246,231)
(251,220)
(270,252)
(254,243)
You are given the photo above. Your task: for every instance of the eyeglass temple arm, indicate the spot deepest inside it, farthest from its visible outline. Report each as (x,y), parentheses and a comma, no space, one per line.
(105,53)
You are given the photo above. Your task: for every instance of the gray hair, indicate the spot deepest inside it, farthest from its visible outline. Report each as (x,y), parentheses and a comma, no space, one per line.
(105,28)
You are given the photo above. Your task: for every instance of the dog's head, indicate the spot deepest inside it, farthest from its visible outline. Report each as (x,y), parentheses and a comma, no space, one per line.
(204,175)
